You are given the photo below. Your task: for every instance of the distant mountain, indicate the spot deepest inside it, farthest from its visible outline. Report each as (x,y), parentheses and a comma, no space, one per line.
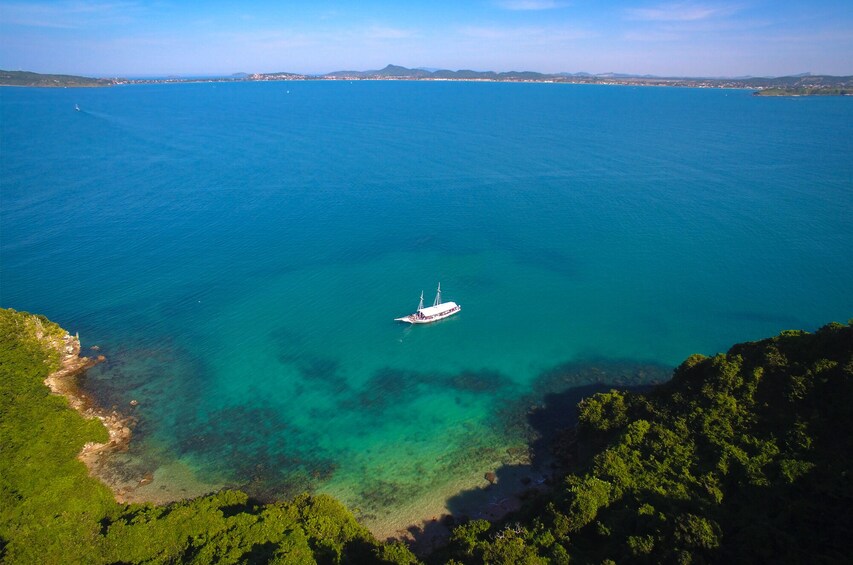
(281,74)
(390,71)
(397,71)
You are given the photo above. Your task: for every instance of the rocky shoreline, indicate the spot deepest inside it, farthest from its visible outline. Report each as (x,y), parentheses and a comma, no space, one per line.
(491,495)
(64,382)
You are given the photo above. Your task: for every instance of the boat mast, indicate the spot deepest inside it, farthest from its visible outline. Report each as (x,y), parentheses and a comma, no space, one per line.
(421,303)
(437,296)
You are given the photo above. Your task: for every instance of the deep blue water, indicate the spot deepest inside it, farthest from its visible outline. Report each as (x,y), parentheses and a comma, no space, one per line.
(238,252)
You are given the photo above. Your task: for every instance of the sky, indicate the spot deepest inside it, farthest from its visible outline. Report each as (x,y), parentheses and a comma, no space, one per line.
(681,38)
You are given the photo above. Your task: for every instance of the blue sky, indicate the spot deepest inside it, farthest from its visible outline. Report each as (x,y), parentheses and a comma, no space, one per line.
(680,38)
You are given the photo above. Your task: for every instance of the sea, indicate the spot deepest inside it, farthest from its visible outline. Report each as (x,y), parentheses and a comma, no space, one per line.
(238,252)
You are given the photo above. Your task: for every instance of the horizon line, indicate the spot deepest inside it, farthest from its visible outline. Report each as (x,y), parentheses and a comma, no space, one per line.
(430,70)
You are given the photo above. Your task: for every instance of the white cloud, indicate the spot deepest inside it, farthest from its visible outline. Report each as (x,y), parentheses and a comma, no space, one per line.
(480,32)
(526,34)
(530,5)
(680,12)
(68,15)
(653,36)
(384,32)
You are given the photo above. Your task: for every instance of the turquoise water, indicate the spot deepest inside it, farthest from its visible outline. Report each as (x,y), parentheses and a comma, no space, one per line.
(239,251)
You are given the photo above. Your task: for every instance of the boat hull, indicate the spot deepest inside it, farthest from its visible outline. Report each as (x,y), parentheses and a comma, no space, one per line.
(416,319)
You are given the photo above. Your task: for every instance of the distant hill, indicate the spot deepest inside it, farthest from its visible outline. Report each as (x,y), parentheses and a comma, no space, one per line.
(802,85)
(804,91)
(390,71)
(396,71)
(25,78)
(814,83)
(802,81)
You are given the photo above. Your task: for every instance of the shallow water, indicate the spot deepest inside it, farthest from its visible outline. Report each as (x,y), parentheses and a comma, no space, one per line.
(239,251)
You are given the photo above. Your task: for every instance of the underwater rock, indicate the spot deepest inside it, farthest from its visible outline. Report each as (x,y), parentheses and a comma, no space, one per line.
(491,477)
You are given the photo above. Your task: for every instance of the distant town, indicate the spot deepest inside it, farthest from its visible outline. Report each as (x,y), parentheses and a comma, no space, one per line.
(799,85)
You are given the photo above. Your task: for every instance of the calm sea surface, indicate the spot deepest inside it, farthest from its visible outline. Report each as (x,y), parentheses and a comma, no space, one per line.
(239,251)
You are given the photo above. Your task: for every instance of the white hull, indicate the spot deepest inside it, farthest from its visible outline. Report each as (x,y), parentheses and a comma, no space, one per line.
(419,318)
(438,311)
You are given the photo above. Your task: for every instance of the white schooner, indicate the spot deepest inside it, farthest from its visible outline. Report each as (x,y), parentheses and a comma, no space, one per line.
(438,311)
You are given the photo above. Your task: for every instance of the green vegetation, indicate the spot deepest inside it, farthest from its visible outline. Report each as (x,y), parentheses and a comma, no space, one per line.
(51,511)
(26,78)
(742,457)
(804,91)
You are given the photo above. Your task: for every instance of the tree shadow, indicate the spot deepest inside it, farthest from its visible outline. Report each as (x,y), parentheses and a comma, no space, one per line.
(550,414)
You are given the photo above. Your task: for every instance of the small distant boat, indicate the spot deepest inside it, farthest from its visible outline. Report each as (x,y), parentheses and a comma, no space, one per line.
(438,311)
(77,107)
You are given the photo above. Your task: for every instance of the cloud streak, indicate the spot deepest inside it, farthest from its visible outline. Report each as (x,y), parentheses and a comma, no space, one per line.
(530,5)
(386,32)
(525,34)
(68,15)
(653,36)
(679,12)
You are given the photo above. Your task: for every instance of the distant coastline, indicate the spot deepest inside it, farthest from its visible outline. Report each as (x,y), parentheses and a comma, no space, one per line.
(804,91)
(26,78)
(800,85)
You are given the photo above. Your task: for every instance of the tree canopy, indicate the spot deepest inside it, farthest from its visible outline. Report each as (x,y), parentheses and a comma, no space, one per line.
(741,457)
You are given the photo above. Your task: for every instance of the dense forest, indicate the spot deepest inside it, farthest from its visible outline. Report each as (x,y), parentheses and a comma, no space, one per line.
(741,457)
